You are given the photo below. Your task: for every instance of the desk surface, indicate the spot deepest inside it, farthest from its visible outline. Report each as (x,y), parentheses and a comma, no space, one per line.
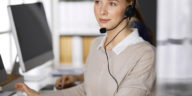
(8,85)
(11,77)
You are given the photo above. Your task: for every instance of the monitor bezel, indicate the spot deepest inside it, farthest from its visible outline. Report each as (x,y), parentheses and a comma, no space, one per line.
(36,61)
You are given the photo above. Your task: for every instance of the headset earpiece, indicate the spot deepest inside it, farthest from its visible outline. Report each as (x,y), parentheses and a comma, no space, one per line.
(131,10)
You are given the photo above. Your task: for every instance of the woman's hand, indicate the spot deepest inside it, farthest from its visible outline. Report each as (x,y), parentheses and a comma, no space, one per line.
(65,81)
(24,88)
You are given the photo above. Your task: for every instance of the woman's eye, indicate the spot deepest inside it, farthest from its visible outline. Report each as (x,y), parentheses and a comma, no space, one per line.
(112,4)
(97,2)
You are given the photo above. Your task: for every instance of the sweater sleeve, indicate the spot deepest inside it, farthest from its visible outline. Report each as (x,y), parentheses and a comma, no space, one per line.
(141,80)
(74,91)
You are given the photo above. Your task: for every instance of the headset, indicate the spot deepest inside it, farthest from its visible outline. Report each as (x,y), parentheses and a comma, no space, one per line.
(129,12)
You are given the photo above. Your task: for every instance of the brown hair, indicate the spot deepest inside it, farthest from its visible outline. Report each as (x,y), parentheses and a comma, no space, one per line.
(140,18)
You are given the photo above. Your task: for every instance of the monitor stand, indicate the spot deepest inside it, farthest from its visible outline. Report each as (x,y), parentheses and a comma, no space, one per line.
(38,73)
(35,74)
(36,78)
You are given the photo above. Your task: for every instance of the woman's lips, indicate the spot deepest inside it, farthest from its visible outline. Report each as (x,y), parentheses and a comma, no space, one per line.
(104,20)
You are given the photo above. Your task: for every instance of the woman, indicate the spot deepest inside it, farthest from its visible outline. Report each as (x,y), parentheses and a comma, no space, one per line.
(68,80)
(119,64)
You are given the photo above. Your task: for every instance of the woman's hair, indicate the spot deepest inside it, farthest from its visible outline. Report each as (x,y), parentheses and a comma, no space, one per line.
(140,18)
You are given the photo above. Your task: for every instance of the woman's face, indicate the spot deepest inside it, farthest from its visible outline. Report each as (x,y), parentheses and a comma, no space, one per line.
(109,12)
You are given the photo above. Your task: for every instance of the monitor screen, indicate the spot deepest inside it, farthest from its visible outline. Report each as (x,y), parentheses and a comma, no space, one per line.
(32,34)
(3,73)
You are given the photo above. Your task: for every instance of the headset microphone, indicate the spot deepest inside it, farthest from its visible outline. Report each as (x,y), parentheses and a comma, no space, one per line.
(103,30)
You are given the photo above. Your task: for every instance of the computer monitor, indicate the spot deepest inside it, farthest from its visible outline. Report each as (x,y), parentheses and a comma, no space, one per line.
(3,73)
(32,35)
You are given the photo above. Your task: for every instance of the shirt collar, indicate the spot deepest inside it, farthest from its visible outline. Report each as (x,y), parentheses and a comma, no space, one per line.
(131,39)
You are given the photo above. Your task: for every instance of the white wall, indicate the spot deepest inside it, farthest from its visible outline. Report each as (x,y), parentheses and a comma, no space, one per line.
(174,49)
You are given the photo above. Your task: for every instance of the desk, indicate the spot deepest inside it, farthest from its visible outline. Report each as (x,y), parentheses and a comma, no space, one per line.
(8,85)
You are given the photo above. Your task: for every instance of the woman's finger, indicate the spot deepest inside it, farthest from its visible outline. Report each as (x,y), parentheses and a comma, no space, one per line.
(70,80)
(63,81)
(58,83)
(22,87)
(19,86)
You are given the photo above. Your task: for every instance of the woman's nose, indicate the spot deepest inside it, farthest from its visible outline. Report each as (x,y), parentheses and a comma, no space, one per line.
(103,10)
